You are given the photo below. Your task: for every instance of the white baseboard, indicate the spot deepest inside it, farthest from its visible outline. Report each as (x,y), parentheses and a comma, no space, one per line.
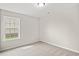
(76,51)
(9,48)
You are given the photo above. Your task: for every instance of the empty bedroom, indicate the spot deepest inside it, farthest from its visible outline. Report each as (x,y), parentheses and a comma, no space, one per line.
(39,29)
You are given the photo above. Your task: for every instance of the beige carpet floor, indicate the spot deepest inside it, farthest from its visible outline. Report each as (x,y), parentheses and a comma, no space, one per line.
(38,49)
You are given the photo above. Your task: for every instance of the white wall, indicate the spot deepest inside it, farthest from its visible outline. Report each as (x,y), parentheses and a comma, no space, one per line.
(61,27)
(29,30)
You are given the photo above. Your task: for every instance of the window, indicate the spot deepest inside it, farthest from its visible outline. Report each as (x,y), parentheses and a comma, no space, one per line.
(10,28)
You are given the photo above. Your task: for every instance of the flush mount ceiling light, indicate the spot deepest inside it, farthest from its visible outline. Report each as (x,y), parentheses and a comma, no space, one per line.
(40,4)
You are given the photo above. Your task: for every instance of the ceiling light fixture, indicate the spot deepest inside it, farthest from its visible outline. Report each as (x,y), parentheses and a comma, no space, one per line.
(40,4)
